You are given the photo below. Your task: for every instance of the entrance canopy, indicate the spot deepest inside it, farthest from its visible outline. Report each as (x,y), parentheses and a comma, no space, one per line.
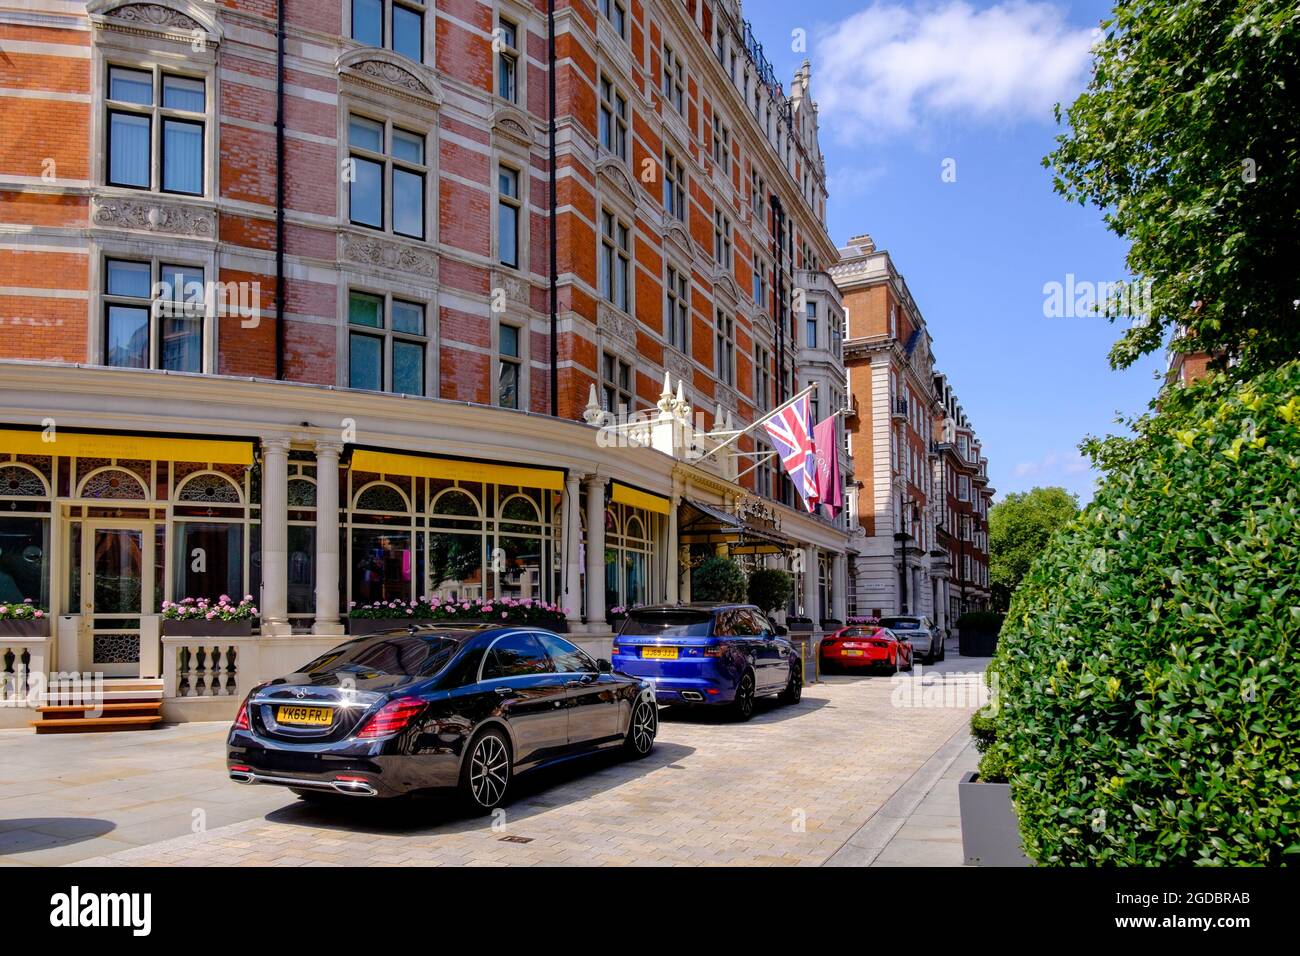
(700,523)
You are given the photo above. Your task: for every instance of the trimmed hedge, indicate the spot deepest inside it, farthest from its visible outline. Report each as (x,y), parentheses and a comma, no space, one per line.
(770,589)
(718,579)
(1148,664)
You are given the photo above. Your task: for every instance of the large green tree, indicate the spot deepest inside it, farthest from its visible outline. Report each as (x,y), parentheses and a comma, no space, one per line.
(1188,139)
(1019,528)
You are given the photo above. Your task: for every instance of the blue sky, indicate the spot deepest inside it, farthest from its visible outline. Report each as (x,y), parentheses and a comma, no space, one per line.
(903,87)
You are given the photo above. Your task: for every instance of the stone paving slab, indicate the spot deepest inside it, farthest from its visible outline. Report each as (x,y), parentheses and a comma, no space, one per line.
(792,787)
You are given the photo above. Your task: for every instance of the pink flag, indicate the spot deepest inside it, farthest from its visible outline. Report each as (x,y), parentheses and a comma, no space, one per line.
(828,466)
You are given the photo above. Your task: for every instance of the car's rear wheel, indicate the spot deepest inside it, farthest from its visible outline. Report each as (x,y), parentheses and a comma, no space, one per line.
(641,731)
(793,692)
(485,772)
(742,707)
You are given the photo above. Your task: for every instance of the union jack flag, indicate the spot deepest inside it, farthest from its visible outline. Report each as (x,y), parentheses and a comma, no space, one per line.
(791,431)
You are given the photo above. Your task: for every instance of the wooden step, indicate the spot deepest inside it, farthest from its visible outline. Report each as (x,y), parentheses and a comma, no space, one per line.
(108,697)
(140,708)
(93,724)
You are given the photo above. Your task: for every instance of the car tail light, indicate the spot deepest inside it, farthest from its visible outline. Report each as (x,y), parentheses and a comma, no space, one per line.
(716,650)
(613,650)
(394,716)
(241,768)
(347,778)
(241,716)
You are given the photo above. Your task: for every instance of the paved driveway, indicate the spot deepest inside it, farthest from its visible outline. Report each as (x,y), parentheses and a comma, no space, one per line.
(792,786)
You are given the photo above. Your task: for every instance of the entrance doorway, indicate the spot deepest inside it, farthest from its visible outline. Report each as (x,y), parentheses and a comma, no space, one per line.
(117,580)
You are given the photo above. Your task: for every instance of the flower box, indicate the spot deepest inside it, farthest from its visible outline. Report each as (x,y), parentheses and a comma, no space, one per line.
(26,628)
(363,626)
(202,628)
(990,832)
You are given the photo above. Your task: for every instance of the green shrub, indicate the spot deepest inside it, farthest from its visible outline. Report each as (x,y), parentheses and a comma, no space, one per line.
(984,621)
(1147,668)
(770,589)
(983,727)
(718,579)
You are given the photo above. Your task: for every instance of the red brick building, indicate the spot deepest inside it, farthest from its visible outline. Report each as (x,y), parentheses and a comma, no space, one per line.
(328,226)
(920,542)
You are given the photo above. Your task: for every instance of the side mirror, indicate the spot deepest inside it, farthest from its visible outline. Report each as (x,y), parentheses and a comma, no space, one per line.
(604,666)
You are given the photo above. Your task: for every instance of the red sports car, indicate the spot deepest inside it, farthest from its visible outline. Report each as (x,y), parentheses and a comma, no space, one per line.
(866,646)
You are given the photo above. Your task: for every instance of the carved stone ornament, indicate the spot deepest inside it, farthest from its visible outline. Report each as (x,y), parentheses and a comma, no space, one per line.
(678,365)
(614,172)
(390,74)
(386,254)
(616,323)
(513,125)
(154,15)
(150,216)
(516,289)
(675,232)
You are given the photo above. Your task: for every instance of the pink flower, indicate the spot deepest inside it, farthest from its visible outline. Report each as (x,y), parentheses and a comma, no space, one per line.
(40,614)
(505,614)
(256,612)
(210,615)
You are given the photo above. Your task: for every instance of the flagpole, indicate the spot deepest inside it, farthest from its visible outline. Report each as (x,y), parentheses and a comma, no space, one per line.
(732,436)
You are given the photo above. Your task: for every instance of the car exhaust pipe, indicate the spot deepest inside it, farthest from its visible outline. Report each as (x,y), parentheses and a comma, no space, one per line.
(694,696)
(352,787)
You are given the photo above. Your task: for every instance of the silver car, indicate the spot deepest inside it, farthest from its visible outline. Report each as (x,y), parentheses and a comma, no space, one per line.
(917,630)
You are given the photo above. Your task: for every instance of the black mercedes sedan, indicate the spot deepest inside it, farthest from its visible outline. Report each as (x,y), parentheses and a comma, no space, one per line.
(437,707)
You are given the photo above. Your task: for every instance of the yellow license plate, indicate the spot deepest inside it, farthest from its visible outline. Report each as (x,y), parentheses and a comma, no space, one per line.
(852,653)
(308,716)
(659,653)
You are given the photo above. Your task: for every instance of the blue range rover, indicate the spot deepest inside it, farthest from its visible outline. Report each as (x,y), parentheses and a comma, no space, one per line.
(709,654)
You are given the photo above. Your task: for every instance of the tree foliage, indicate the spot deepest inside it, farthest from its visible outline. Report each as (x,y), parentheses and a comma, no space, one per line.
(770,589)
(1188,139)
(718,579)
(1019,528)
(1147,667)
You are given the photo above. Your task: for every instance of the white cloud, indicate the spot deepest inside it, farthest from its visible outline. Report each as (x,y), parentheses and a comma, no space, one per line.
(890,69)
(1055,464)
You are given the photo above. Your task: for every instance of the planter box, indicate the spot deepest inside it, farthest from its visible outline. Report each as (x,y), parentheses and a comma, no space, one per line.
(25,629)
(990,834)
(363,626)
(205,629)
(976,643)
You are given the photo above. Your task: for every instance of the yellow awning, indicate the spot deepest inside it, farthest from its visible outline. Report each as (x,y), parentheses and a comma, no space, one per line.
(149,447)
(452,469)
(624,495)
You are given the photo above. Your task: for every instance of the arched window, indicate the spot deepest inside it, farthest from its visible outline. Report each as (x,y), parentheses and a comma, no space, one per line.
(112,483)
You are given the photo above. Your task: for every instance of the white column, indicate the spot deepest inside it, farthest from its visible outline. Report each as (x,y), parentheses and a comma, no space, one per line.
(275,537)
(596,551)
(811,592)
(672,569)
(840,586)
(327,538)
(941,604)
(572,551)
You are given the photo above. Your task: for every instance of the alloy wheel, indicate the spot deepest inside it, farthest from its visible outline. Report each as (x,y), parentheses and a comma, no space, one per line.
(745,697)
(489,771)
(645,723)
